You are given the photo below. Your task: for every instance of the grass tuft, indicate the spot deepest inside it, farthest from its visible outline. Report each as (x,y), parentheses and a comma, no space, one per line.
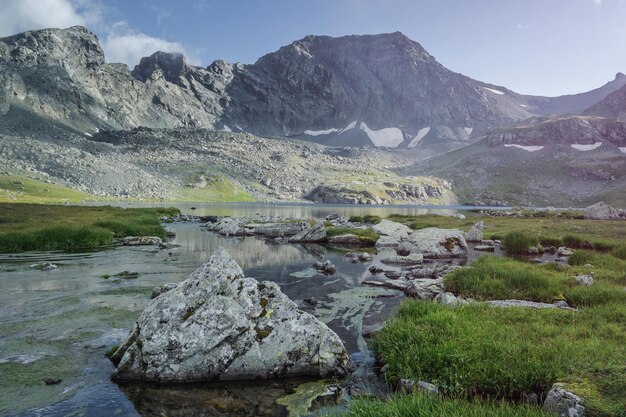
(518,243)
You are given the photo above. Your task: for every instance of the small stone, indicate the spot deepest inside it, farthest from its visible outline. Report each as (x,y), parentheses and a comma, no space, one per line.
(52,381)
(585,280)
(312,301)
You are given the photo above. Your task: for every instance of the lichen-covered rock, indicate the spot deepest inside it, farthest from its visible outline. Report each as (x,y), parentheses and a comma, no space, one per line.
(393,229)
(449,299)
(563,403)
(601,211)
(424,288)
(219,325)
(475,234)
(387,242)
(433,242)
(313,234)
(273,230)
(227,226)
(350,239)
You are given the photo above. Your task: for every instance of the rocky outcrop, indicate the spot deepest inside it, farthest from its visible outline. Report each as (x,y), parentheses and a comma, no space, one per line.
(142,241)
(395,230)
(475,234)
(316,233)
(409,260)
(433,242)
(228,226)
(219,325)
(601,211)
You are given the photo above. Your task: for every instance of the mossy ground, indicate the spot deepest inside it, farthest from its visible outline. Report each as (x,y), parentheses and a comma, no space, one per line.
(27,227)
(366,235)
(23,189)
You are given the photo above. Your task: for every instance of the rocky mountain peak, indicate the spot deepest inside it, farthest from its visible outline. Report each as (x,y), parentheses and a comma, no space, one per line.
(74,46)
(171,65)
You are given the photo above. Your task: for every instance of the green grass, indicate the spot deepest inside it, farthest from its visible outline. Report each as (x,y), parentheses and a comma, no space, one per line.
(26,227)
(367,235)
(419,405)
(23,189)
(478,351)
(497,278)
(518,243)
(218,189)
(365,219)
(619,252)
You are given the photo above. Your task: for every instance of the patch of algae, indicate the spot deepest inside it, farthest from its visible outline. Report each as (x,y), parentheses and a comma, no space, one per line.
(299,403)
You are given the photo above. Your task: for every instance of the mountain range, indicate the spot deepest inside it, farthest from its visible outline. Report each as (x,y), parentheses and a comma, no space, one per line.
(358,91)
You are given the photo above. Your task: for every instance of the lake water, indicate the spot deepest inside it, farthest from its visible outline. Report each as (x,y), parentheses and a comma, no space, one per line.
(60,323)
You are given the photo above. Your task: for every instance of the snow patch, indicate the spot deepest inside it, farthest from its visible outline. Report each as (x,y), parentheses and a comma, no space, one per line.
(498,92)
(352,125)
(321,132)
(587,147)
(525,148)
(389,136)
(523,105)
(468,130)
(622,150)
(89,135)
(226,129)
(418,138)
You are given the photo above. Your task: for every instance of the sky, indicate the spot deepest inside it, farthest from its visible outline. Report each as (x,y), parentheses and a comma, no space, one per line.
(543,47)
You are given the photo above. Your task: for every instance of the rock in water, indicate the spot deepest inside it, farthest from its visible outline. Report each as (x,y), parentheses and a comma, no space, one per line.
(316,233)
(437,243)
(475,234)
(219,325)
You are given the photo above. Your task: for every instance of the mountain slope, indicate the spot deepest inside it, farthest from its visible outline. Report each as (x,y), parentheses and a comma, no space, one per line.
(383,90)
(613,105)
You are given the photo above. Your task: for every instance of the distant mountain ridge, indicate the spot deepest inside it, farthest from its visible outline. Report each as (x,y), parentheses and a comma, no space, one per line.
(383,90)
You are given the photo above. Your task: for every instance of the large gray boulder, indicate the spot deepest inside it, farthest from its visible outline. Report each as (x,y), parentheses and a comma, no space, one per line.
(227,226)
(563,403)
(393,229)
(475,234)
(601,211)
(219,325)
(437,243)
(313,234)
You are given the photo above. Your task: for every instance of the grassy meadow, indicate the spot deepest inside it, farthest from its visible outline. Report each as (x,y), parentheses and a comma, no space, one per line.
(29,227)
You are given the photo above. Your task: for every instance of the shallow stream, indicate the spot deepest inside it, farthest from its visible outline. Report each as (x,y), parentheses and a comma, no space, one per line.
(60,323)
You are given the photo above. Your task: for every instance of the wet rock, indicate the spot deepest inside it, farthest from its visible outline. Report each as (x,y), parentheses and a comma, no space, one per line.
(585,280)
(374,270)
(601,211)
(365,257)
(52,381)
(433,242)
(563,403)
(274,230)
(217,324)
(326,267)
(372,330)
(142,241)
(393,274)
(564,252)
(533,251)
(44,266)
(397,231)
(387,242)
(485,248)
(412,259)
(227,226)
(390,284)
(161,289)
(431,271)
(313,234)
(475,234)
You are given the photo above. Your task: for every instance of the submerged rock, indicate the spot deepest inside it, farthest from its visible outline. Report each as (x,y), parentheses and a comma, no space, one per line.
(44,266)
(219,325)
(326,267)
(142,241)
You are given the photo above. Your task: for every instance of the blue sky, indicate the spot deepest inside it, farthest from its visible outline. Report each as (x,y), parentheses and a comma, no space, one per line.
(547,47)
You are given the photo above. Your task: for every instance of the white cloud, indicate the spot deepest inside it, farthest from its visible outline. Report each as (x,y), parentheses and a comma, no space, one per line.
(120,42)
(123,44)
(22,15)
(597,2)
